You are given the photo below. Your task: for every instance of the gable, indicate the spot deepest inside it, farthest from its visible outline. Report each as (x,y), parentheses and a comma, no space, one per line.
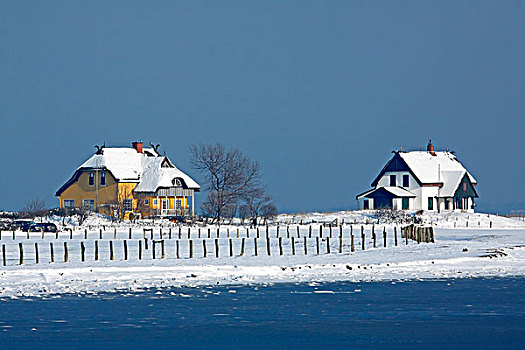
(396,163)
(465,189)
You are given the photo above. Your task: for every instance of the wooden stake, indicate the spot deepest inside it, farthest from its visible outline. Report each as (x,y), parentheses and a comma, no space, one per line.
(395,236)
(231,247)
(21,253)
(216,247)
(362,238)
(3,255)
(125,249)
(96,250)
(140,250)
(52,252)
(384,237)
(293,246)
(327,245)
(268,250)
(100,234)
(191,249)
(242,246)
(66,254)
(305,246)
(36,253)
(255,246)
(204,252)
(280,246)
(317,241)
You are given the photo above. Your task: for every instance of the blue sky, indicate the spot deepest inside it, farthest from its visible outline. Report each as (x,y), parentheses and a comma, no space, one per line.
(319,92)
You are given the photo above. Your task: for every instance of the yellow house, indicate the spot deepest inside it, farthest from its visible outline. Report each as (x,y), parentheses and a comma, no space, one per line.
(118,181)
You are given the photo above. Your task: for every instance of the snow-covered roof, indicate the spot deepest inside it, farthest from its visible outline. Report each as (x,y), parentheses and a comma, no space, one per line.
(429,168)
(451,180)
(395,191)
(150,170)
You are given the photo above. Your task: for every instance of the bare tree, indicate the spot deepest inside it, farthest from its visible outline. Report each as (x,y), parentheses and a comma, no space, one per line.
(258,203)
(229,175)
(34,207)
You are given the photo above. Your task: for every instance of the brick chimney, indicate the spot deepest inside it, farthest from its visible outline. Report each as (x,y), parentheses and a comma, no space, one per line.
(137,145)
(430,148)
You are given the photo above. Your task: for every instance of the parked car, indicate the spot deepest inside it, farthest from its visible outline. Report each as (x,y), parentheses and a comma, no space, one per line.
(43,227)
(22,225)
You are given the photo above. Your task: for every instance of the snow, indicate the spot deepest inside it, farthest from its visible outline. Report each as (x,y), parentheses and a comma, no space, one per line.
(460,251)
(427,167)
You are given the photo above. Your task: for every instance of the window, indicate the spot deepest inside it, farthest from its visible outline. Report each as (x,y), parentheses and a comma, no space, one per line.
(155,202)
(406,182)
(464,187)
(178,204)
(164,204)
(392,180)
(91,178)
(88,204)
(103,178)
(176,182)
(68,203)
(430,203)
(366,205)
(127,204)
(146,201)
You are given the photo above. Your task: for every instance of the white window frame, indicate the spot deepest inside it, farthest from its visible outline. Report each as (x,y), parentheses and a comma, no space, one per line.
(88,204)
(70,203)
(103,175)
(127,204)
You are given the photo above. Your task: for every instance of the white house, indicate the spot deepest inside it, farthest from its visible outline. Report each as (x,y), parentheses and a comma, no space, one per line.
(428,180)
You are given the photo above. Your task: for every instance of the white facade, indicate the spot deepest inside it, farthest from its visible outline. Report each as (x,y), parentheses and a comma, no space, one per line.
(433,181)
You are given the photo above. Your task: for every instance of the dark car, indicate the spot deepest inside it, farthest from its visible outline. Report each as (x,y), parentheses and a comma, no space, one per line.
(22,225)
(43,227)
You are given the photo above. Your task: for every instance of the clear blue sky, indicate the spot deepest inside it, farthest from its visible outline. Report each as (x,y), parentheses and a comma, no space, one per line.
(320,92)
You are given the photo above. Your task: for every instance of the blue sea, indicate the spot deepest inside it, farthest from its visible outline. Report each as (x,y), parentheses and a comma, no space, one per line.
(438,314)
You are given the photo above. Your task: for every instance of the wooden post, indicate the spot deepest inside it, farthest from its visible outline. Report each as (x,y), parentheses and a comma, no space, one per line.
(82,252)
(280,246)
(162,252)
(169,233)
(293,246)
(160,233)
(42,234)
(327,245)
(3,255)
(406,235)
(13,235)
(218,231)
(287,231)
(189,232)
(317,241)
(191,249)
(310,231)
(330,230)
(491,224)
(362,238)
(180,232)
(242,246)
(21,252)
(125,250)
(352,248)
(227,232)
(115,233)
(237,232)
(56,234)
(298,232)
(204,252)
(231,246)
(199,233)
(96,250)
(384,237)
(277,235)
(177,249)
(85,233)
(268,250)
(247,232)
(129,233)
(374,235)
(70,233)
(340,244)
(140,250)
(255,245)
(36,253)
(52,252)
(146,247)
(321,231)
(305,246)
(395,235)
(258,236)
(216,247)
(341,230)
(66,255)
(100,234)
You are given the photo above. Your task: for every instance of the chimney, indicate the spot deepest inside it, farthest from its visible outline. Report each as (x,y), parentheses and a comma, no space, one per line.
(137,145)
(430,148)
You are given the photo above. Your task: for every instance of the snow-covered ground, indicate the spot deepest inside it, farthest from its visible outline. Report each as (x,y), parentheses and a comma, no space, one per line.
(489,246)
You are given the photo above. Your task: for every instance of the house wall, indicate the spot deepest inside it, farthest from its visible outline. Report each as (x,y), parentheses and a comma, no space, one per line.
(81,190)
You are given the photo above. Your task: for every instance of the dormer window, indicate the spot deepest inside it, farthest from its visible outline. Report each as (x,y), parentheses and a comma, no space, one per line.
(176,182)
(103,178)
(91,178)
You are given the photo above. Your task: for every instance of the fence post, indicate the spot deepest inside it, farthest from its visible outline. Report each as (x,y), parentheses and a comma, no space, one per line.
(374,235)
(21,251)
(362,238)
(13,235)
(85,233)
(140,249)
(100,234)
(218,232)
(96,250)
(191,249)
(317,241)
(255,245)
(216,247)
(298,232)
(305,246)
(321,231)
(36,253)
(352,248)
(340,244)
(310,231)
(204,252)
(330,230)
(115,233)
(395,235)
(280,246)
(258,236)
(432,235)
(169,233)
(268,250)
(231,247)
(247,232)
(66,254)
(82,251)
(242,246)
(56,234)
(52,252)
(162,249)
(287,231)
(177,248)
(293,246)
(160,233)
(153,249)
(129,233)
(384,237)
(237,232)
(327,245)
(125,250)
(189,232)
(70,233)
(42,234)
(3,255)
